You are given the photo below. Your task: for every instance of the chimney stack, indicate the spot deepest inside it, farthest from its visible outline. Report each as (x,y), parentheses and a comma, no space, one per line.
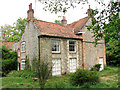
(90,11)
(30,13)
(64,21)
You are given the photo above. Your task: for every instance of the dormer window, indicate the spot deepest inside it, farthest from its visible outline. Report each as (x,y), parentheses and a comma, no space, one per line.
(23,47)
(55,46)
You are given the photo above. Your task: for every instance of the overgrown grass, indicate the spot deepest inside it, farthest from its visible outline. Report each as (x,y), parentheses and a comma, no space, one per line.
(108,79)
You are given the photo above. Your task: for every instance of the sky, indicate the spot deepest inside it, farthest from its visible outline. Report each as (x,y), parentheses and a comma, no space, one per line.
(11,10)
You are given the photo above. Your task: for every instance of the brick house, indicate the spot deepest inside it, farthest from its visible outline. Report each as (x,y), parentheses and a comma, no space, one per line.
(7,44)
(66,47)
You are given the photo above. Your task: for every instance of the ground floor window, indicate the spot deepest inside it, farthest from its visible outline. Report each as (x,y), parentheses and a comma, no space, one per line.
(22,64)
(56,66)
(72,62)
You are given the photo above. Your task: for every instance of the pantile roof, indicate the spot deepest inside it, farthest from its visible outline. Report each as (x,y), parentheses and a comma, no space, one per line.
(78,25)
(52,29)
(7,44)
(68,31)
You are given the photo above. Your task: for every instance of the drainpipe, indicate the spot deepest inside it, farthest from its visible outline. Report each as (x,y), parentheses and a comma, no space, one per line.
(39,47)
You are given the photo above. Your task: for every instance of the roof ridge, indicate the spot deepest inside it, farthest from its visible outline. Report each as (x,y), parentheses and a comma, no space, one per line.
(49,22)
(77,21)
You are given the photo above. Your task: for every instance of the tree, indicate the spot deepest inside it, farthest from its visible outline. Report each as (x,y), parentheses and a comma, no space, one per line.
(106,26)
(55,6)
(8,60)
(14,33)
(58,22)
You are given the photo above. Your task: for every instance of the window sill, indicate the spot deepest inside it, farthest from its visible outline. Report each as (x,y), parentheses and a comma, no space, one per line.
(22,51)
(72,52)
(53,52)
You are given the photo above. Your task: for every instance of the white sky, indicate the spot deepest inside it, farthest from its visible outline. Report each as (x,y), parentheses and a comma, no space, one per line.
(11,10)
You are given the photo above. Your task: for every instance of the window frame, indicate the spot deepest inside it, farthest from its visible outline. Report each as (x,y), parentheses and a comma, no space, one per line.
(56,46)
(74,46)
(23,48)
(55,67)
(22,68)
(71,60)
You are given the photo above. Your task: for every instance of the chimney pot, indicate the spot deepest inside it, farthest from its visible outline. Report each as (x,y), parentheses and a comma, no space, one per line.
(89,6)
(30,6)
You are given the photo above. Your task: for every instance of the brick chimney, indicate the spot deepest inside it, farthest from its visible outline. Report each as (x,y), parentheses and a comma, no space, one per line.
(30,13)
(64,21)
(89,11)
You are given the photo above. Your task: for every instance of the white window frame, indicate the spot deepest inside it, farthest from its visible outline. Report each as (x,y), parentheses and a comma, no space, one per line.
(23,47)
(55,70)
(71,69)
(74,46)
(22,64)
(18,52)
(55,42)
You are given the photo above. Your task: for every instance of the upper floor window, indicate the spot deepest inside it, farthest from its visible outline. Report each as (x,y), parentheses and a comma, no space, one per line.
(18,52)
(72,46)
(55,46)
(23,47)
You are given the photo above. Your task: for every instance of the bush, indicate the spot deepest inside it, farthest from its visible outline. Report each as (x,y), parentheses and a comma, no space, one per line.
(22,73)
(8,65)
(8,60)
(96,67)
(83,76)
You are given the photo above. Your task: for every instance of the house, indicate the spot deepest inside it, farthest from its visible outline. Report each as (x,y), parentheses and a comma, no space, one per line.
(7,44)
(67,47)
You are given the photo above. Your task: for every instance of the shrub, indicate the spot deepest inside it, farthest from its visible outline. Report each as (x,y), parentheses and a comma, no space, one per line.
(83,76)
(8,60)
(96,67)
(8,65)
(22,73)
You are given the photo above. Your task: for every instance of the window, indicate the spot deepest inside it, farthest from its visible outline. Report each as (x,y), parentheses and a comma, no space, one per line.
(55,46)
(72,46)
(18,52)
(22,64)
(56,66)
(23,47)
(72,62)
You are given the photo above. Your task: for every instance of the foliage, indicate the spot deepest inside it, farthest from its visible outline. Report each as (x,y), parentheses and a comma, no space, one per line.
(109,79)
(55,6)
(8,65)
(106,26)
(14,33)
(27,64)
(58,22)
(22,73)
(5,52)
(42,69)
(9,60)
(82,76)
(96,67)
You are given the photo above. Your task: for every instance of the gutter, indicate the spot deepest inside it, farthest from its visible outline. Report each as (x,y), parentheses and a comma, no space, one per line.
(59,37)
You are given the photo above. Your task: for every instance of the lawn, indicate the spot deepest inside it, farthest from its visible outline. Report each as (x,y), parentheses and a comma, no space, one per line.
(108,79)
